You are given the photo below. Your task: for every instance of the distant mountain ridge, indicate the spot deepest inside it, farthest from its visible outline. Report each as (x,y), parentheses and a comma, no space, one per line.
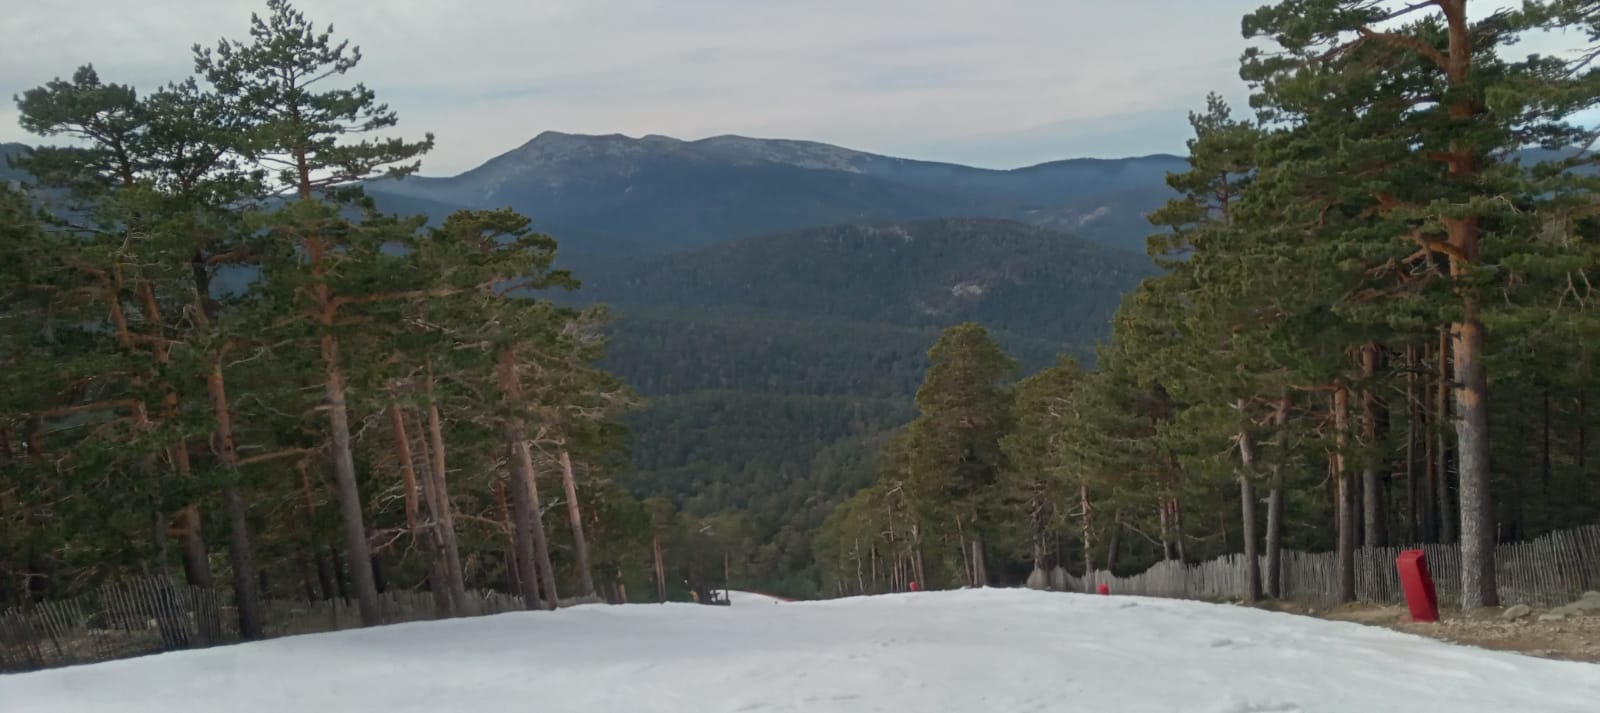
(655,194)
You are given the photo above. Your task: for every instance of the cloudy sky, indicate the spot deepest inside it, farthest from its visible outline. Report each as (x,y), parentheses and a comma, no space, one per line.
(997,83)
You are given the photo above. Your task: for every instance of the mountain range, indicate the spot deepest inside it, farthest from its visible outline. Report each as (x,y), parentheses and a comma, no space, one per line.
(614,194)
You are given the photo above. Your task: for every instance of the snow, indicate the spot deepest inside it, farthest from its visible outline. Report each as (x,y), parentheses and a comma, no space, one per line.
(970,651)
(736,598)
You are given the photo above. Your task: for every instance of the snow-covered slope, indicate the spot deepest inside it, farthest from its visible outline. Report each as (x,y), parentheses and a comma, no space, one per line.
(973,651)
(737,598)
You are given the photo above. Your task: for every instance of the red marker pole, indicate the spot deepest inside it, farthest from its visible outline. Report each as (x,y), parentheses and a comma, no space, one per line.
(1418,585)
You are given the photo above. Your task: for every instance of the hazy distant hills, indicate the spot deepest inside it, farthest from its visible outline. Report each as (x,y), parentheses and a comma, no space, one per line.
(611,194)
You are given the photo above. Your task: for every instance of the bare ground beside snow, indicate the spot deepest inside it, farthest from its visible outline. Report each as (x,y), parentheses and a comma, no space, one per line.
(1572,639)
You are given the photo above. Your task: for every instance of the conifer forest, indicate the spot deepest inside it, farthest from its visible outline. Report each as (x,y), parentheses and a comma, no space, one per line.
(1366,319)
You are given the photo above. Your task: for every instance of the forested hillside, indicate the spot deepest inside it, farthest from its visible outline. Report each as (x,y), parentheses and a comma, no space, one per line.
(773,365)
(1381,330)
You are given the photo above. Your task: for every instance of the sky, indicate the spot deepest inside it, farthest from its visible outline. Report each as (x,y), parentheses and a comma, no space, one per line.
(993,83)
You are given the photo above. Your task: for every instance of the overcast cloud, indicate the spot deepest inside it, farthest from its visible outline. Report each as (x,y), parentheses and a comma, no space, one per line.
(994,82)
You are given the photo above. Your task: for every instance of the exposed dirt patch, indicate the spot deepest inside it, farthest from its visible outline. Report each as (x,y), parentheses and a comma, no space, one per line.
(1575,638)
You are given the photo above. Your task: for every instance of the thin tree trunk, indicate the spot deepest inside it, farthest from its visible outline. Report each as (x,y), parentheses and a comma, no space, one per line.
(1114,542)
(1414,524)
(446,513)
(541,543)
(528,512)
(1087,519)
(1247,503)
(660,569)
(327,572)
(1446,513)
(358,552)
(1177,529)
(1545,469)
(339,580)
(1583,433)
(196,564)
(434,531)
(1429,420)
(514,578)
(521,517)
(1346,496)
(1375,418)
(1274,576)
(240,556)
(916,554)
(980,573)
(416,490)
(966,558)
(580,545)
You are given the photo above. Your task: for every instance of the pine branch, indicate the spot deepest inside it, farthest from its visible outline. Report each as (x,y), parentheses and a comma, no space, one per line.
(1392,39)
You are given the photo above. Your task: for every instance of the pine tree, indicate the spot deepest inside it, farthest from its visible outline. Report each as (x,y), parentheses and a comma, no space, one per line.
(966,406)
(1414,101)
(305,130)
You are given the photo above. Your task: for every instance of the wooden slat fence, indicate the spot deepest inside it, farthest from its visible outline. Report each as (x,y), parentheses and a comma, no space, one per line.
(1551,570)
(154,615)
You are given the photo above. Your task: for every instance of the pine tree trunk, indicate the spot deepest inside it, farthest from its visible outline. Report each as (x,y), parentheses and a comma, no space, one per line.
(1375,418)
(541,543)
(326,577)
(1280,423)
(1177,529)
(307,579)
(358,552)
(916,554)
(1472,382)
(196,564)
(1247,503)
(1166,541)
(446,513)
(522,518)
(339,580)
(513,558)
(416,490)
(1472,434)
(1441,448)
(660,569)
(1430,455)
(1414,520)
(1346,496)
(980,573)
(1115,541)
(529,512)
(1583,433)
(240,556)
(1545,469)
(580,546)
(1087,526)
(438,504)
